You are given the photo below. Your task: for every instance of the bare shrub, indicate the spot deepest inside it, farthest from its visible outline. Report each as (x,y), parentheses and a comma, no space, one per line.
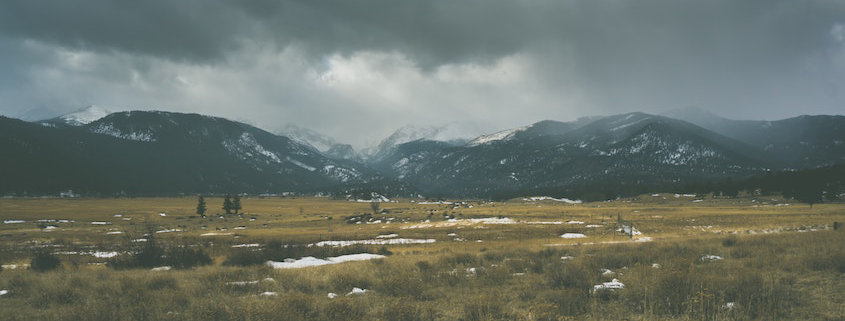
(345,281)
(729,241)
(672,289)
(401,285)
(569,275)
(459,259)
(344,309)
(485,307)
(406,311)
(44,261)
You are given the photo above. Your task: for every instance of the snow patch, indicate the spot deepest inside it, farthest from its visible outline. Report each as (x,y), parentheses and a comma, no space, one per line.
(247,146)
(498,136)
(387,236)
(356,291)
(573,236)
(109,129)
(301,164)
(104,255)
(85,116)
(547,198)
(310,261)
(612,285)
(247,245)
(391,241)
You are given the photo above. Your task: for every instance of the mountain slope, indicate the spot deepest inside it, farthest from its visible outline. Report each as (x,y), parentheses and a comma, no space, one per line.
(624,152)
(798,142)
(161,153)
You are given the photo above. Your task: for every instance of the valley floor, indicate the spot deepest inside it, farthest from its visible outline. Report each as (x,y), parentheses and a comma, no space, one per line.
(689,258)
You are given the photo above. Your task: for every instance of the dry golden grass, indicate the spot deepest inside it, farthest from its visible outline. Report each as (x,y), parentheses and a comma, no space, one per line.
(780,262)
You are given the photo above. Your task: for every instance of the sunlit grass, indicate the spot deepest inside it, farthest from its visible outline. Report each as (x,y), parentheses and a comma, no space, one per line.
(779,262)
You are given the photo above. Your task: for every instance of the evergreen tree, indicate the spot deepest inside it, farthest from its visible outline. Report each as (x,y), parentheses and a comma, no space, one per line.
(201,206)
(729,188)
(808,193)
(236,203)
(227,204)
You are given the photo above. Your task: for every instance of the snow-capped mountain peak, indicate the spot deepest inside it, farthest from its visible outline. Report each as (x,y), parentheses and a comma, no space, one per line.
(83,116)
(456,133)
(319,141)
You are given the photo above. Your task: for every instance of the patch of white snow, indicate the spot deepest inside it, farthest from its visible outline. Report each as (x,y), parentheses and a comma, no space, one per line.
(573,236)
(310,261)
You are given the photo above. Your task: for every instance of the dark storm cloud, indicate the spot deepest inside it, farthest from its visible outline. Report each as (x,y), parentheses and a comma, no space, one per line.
(189,29)
(520,61)
(435,32)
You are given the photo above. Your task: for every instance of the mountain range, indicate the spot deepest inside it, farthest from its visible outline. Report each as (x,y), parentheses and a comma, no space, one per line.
(163,153)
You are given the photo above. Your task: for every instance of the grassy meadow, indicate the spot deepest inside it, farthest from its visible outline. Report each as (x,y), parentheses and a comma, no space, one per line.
(693,258)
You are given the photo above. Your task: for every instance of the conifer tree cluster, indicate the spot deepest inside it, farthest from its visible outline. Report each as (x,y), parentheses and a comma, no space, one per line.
(232,203)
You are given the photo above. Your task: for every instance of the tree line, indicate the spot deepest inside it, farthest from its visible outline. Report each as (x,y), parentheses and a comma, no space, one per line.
(230,204)
(811,186)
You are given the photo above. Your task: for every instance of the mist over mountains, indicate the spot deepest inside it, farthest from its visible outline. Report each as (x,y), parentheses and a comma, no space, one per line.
(163,153)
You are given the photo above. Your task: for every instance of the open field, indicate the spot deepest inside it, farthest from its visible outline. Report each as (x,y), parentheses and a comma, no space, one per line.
(458,260)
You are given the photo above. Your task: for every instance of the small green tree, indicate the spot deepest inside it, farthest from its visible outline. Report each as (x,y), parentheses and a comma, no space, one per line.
(810,195)
(236,203)
(227,204)
(201,206)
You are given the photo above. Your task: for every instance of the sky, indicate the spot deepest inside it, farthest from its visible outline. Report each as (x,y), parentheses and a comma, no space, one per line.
(358,70)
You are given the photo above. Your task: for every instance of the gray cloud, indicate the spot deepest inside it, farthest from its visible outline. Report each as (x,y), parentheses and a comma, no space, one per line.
(333,65)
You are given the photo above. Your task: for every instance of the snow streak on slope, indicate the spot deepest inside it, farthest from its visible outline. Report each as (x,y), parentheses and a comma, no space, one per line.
(108,129)
(246,147)
(499,136)
(667,151)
